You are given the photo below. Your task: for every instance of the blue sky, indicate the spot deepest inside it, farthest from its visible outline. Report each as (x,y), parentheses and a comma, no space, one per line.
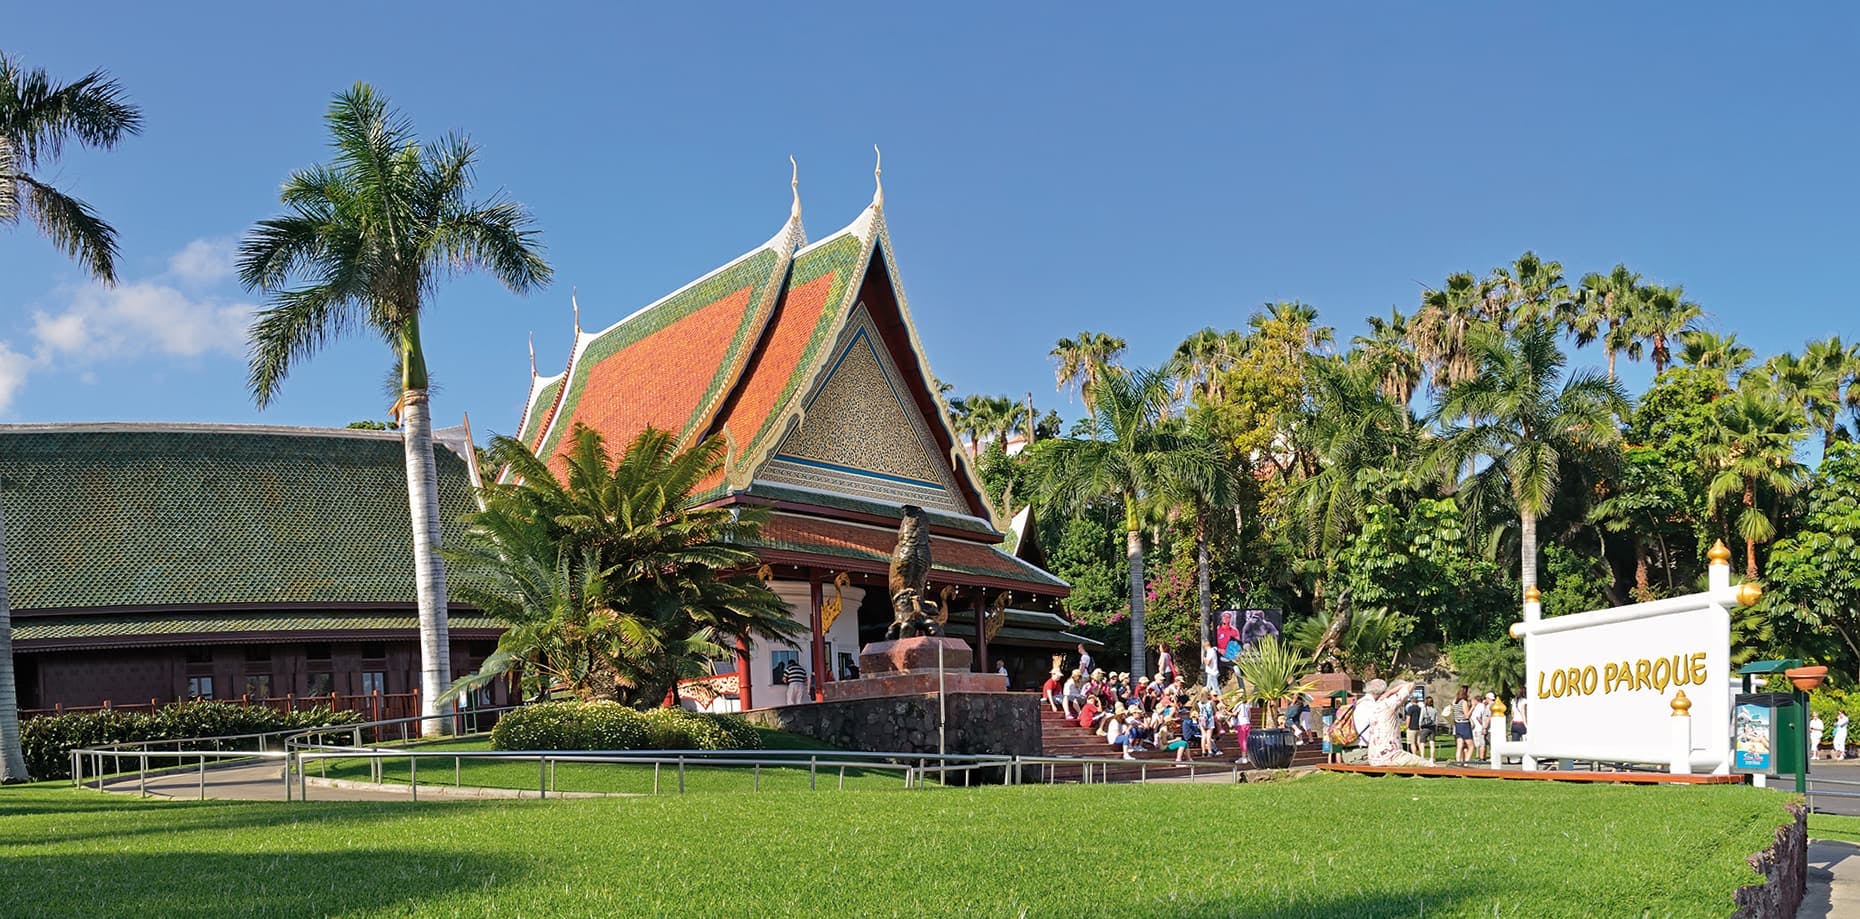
(1048,168)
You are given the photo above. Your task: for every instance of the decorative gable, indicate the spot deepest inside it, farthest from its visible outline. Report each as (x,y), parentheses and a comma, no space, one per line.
(861,433)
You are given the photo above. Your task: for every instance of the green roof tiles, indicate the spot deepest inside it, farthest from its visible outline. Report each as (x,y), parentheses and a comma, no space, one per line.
(111,628)
(102,516)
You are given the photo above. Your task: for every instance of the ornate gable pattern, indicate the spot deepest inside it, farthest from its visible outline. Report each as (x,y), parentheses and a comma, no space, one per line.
(860,433)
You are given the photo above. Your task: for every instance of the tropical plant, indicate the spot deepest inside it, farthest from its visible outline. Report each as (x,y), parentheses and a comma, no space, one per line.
(1533,290)
(611,584)
(1603,305)
(1751,450)
(1202,479)
(37,118)
(1515,418)
(1086,362)
(1711,351)
(1132,456)
(1443,329)
(1495,665)
(369,235)
(1271,672)
(1369,644)
(1390,354)
(1662,316)
(1201,362)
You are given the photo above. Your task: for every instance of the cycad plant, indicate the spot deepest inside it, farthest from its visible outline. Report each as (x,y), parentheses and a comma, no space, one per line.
(1270,673)
(612,586)
(37,118)
(367,238)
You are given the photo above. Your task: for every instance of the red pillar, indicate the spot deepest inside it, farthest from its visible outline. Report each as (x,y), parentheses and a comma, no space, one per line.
(981,633)
(745,698)
(819,644)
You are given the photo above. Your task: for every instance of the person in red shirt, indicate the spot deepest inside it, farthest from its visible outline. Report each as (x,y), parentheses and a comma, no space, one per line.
(1049,691)
(1088,713)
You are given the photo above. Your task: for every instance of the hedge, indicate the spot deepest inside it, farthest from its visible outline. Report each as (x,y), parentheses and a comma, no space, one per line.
(48,741)
(612,726)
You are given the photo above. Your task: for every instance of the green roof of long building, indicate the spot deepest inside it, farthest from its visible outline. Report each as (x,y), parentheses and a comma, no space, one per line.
(102,516)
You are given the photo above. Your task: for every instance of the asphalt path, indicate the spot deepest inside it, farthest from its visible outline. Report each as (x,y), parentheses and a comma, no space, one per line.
(1826,782)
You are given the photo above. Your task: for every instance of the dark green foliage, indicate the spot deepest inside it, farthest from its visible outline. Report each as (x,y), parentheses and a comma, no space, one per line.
(48,741)
(1573,582)
(1422,564)
(1814,592)
(1495,665)
(612,726)
(1089,555)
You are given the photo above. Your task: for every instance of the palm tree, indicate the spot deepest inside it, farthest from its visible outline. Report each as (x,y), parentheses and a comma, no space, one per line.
(1352,427)
(1711,351)
(1443,329)
(1514,415)
(1751,445)
(1388,349)
(1201,362)
(1662,316)
(1809,385)
(611,583)
(1603,304)
(1202,479)
(1133,455)
(369,235)
(37,118)
(1085,362)
(1836,367)
(1531,289)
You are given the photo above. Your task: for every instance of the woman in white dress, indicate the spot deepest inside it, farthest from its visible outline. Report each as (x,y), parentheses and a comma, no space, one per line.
(1815,729)
(1840,735)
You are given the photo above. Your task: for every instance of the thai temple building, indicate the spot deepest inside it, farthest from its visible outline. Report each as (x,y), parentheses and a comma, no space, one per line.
(802,356)
(150,563)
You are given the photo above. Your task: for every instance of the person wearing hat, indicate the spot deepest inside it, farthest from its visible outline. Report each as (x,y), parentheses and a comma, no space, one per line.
(1071,694)
(1379,714)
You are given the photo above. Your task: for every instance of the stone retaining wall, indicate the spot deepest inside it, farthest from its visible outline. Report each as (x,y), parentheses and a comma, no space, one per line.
(1784,866)
(979,722)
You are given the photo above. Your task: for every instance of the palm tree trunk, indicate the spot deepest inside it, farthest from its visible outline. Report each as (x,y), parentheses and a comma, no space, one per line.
(1527,539)
(1643,590)
(12,759)
(1611,365)
(1201,573)
(1750,545)
(429,571)
(1133,552)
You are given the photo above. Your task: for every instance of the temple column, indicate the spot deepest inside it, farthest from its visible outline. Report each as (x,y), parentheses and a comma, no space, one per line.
(981,633)
(819,643)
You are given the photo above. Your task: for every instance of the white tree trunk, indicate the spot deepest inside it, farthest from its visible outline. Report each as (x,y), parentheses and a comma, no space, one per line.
(1133,548)
(429,571)
(1527,537)
(12,759)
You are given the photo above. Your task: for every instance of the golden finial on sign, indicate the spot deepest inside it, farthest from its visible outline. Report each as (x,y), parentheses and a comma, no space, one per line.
(1533,595)
(1516,627)
(1749,592)
(878,180)
(1682,706)
(1720,554)
(1498,707)
(794,183)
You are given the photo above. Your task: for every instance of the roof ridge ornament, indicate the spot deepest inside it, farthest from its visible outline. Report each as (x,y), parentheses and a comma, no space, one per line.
(532,354)
(794,183)
(878,178)
(577,306)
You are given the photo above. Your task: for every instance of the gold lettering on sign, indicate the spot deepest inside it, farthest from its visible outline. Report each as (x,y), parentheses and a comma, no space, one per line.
(1657,674)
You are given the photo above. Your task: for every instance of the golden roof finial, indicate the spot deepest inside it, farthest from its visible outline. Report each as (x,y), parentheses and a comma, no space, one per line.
(878,180)
(1720,554)
(1533,595)
(794,213)
(1682,706)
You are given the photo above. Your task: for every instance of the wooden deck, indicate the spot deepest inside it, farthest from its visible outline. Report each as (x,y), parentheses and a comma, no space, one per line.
(1617,778)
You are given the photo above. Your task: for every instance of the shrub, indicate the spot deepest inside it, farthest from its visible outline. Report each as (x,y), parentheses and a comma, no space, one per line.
(48,741)
(612,726)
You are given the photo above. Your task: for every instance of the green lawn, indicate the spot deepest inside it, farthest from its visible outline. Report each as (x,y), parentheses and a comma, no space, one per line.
(1834,826)
(1321,846)
(618,779)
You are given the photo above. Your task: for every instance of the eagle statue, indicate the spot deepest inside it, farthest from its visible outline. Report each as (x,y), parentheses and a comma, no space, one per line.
(914,613)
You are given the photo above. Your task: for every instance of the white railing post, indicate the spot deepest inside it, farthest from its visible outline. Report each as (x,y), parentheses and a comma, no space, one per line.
(1682,734)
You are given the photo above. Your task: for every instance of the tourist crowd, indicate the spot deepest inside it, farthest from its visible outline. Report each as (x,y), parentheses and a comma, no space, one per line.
(1143,714)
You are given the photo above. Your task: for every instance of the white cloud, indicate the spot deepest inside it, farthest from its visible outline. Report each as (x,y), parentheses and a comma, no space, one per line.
(13,369)
(132,320)
(203,261)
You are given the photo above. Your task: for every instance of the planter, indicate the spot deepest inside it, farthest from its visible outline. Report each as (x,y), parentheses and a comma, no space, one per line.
(1806,678)
(1270,748)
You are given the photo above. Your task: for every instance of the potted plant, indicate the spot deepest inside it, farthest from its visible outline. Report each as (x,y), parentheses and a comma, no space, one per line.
(1806,678)
(1270,674)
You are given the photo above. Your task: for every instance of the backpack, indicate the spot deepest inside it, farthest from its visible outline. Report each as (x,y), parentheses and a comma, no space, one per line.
(1343,729)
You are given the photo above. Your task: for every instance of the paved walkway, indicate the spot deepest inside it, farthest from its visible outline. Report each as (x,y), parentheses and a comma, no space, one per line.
(262,782)
(1833,880)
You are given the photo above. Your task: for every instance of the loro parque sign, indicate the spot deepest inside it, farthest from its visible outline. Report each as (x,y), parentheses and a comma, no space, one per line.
(1645,683)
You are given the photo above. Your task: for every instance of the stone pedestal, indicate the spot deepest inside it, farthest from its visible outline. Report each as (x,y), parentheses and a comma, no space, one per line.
(1323,684)
(908,666)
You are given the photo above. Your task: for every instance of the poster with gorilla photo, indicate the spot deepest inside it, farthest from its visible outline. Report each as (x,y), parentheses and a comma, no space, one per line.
(1239,629)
